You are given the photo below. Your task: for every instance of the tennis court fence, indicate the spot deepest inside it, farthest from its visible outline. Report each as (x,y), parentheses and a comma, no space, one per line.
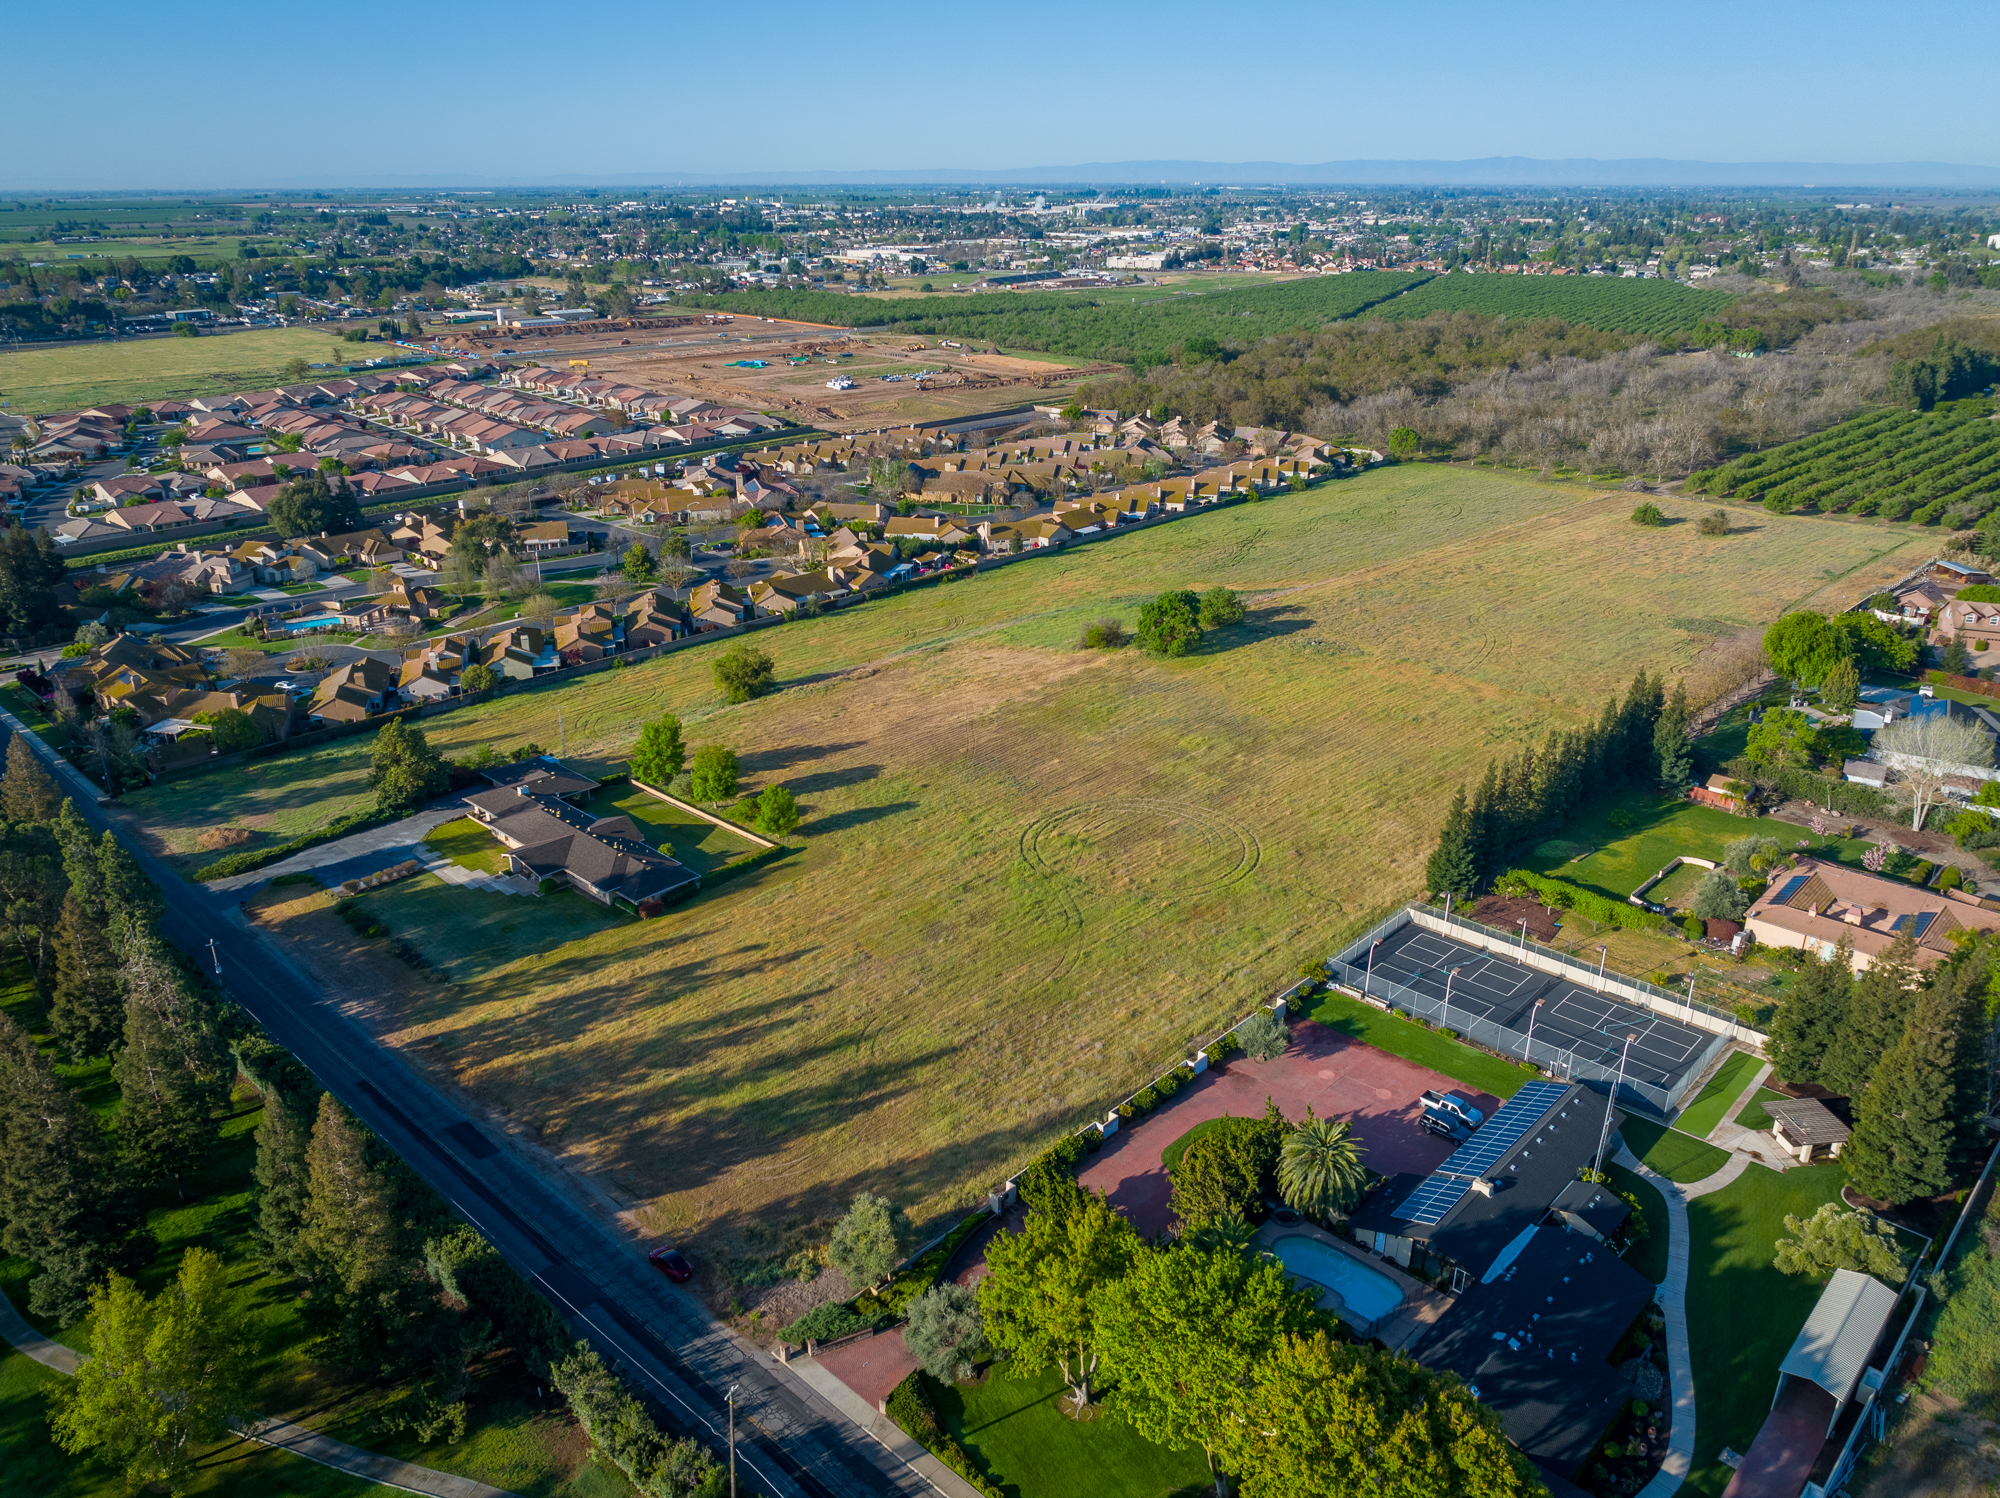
(1350,967)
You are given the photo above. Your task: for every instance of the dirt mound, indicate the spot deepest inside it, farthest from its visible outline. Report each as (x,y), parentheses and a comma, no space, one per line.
(218,838)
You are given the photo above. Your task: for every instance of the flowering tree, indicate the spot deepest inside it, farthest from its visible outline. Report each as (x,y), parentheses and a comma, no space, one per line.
(1875,858)
(1820,826)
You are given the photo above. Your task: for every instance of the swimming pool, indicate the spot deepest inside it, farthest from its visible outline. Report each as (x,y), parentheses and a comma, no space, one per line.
(299,626)
(1366,1293)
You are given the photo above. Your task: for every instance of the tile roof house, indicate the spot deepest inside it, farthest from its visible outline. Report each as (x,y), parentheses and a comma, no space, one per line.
(351,693)
(1814,904)
(530,811)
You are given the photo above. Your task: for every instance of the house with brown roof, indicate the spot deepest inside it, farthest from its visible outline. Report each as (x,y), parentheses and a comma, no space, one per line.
(530,811)
(1814,904)
(353,692)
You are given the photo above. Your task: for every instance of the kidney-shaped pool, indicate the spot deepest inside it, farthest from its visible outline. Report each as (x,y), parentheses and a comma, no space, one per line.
(1366,1293)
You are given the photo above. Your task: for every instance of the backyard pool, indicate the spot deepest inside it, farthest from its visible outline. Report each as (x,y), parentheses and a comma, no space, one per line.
(1366,1294)
(300,626)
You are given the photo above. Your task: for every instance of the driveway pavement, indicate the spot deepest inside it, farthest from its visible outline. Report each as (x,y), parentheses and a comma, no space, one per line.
(353,856)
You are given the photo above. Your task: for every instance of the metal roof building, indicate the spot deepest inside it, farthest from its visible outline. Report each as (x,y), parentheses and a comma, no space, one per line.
(1832,1348)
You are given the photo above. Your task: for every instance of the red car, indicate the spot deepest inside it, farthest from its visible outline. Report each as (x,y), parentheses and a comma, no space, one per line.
(674,1262)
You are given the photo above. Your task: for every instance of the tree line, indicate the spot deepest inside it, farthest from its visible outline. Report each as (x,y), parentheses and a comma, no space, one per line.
(396,1289)
(1643,740)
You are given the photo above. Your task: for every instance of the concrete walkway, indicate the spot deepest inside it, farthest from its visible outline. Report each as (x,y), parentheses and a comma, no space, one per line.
(1672,1298)
(310,1444)
(823,1383)
(499,884)
(1732,1136)
(367,851)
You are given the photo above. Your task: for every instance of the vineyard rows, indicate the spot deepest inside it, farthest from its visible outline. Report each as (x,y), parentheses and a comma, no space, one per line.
(1901,465)
(1613,304)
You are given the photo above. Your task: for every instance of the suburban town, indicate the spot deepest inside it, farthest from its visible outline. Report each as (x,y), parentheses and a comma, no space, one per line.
(1164,828)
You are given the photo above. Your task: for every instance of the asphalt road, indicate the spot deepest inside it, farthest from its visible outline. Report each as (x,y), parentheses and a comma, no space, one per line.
(789,1441)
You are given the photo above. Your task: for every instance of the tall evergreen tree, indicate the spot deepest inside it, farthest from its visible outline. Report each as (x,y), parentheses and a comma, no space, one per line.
(87,1010)
(1907,1125)
(60,1206)
(1874,1022)
(132,902)
(1812,1015)
(81,865)
(1488,828)
(1673,751)
(27,794)
(1454,865)
(173,1071)
(284,1131)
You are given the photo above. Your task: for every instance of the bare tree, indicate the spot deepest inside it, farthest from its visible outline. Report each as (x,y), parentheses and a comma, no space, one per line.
(1926,751)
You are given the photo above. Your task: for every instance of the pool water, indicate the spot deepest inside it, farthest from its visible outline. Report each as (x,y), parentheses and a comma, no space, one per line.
(295,626)
(1367,1293)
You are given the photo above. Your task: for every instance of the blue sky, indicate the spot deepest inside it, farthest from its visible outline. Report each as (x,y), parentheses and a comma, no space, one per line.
(235,94)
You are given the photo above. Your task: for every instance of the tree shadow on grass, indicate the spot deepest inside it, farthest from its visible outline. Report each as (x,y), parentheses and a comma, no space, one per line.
(1270,623)
(860,816)
(831,780)
(759,761)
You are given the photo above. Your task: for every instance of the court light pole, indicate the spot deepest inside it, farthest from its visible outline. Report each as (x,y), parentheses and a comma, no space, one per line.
(1528,1050)
(1369,976)
(1524,938)
(1447,996)
(1600,969)
(1604,1138)
(1690,1004)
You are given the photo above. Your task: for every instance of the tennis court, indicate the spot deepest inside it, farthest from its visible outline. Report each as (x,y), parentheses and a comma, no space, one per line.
(1461,986)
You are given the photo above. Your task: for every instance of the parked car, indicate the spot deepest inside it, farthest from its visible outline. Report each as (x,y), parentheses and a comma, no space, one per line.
(674,1262)
(1444,1125)
(1461,1108)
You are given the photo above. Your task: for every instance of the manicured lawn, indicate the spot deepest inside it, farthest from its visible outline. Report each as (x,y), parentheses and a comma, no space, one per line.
(1411,1041)
(701,846)
(1013,1429)
(1171,1155)
(1677,1156)
(469,845)
(1678,888)
(1625,841)
(1713,1102)
(471,932)
(1753,1115)
(1650,1256)
(1742,1313)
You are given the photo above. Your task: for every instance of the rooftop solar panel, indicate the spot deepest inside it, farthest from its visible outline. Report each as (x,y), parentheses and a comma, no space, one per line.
(1429,1203)
(1791,887)
(1515,1120)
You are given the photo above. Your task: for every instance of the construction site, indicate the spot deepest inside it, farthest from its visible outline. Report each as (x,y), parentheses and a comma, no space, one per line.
(836,378)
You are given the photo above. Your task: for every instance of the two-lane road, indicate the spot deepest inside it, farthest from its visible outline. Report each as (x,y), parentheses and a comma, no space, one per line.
(789,1441)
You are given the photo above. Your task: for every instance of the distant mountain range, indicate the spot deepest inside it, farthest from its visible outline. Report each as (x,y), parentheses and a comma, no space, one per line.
(1489,171)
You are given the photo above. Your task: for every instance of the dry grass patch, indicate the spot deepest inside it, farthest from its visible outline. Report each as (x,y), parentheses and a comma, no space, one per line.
(1033,875)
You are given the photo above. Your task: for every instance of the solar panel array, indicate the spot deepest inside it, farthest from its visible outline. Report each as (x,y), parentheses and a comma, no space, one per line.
(1445,1187)
(1791,887)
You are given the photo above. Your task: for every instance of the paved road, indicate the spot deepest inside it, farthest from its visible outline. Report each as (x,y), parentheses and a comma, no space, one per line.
(790,1441)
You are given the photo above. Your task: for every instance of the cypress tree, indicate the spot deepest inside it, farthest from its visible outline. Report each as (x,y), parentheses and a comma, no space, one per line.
(173,1072)
(80,861)
(1453,865)
(131,902)
(27,794)
(1811,1017)
(1874,1022)
(1487,829)
(59,1202)
(1673,753)
(291,1103)
(86,1011)
(1907,1124)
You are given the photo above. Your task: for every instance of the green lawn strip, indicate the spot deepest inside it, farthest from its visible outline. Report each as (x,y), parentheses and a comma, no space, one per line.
(1753,1115)
(1677,1156)
(1713,1102)
(1624,841)
(468,844)
(471,932)
(1411,1041)
(1650,1256)
(1012,1428)
(1742,1313)
(1171,1155)
(683,837)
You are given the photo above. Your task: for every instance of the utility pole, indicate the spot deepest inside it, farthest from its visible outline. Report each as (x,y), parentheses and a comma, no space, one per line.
(1524,939)
(731,1398)
(1604,1138)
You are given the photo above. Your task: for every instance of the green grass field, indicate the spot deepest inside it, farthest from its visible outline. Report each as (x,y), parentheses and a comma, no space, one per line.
(1677,1156)
(68,378)
(1411,1041)
(1900,465)
(1614,304)
(1624,841)
(1031,876)
(1753,1115)
(1742,1313)
(469,933)
(1712,1104)
(468,844)
(1012,1429)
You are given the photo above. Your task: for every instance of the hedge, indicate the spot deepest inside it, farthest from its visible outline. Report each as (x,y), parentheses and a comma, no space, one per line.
(1566,896)
(743,866)
(826,1322)
(1844,796)
(910,1406)
(243,863)
(917,1277)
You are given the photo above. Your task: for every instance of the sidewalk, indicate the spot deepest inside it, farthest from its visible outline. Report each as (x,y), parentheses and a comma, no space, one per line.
(310,1444)
(823,1383)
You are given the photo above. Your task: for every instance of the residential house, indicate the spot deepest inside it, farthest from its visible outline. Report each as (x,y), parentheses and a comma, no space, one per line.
(354,692)
(718,605)
(530,811)
(1815,904)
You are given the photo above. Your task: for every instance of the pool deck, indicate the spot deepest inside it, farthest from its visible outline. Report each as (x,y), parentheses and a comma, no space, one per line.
(1421,1306)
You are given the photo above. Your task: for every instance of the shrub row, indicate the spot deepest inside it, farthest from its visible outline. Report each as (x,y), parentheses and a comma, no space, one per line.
(916,1277)
(242,863)
(743,866)
(1843,796)
(911,1408)
(826,1323)
(1566,896)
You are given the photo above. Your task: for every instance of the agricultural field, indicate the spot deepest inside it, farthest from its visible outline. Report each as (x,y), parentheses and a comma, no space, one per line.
(34,380)
(1138,325)
(1614,304)
(1932,467)
(1031,875)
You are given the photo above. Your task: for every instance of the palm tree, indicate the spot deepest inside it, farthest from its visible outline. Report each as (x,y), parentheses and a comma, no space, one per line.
(1319,1166)
(1226,1230)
